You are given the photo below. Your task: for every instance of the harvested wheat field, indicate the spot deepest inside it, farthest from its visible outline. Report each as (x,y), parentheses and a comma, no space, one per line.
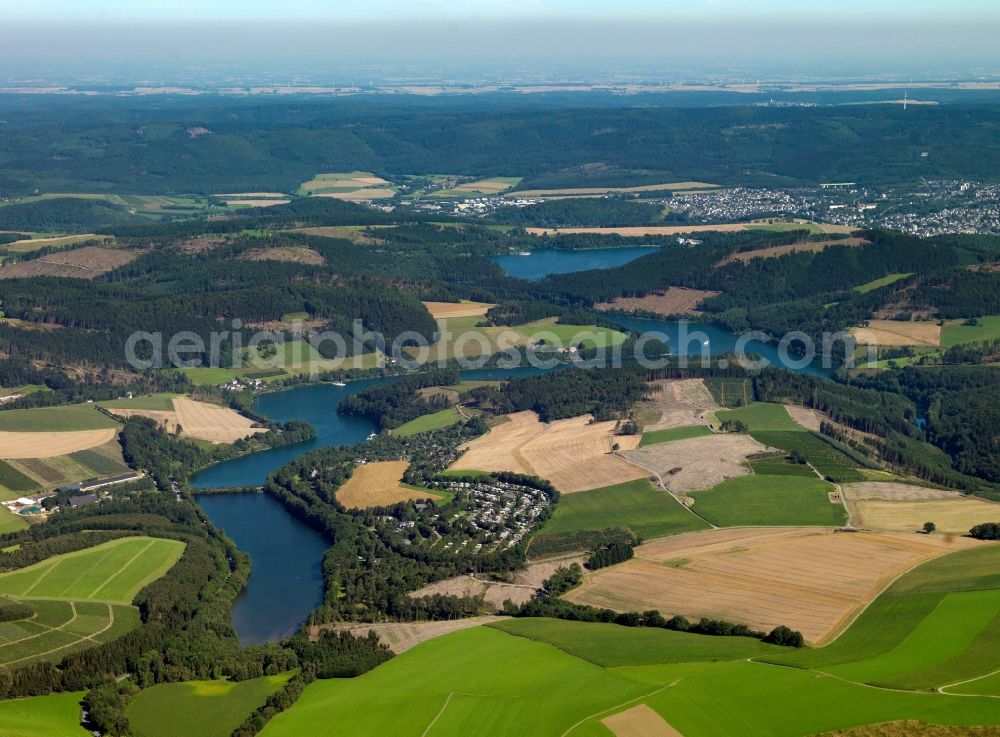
(378,485)
(697,463)
(775,251)
(291,254)
(401,636)
(88,262)
(904,508)
(807,419)
(813,580)
(898,333)
(573,454)
(639,721)
(895,492)
(676,403)
(15,445)
(675,301)
(444,310)
(212,423)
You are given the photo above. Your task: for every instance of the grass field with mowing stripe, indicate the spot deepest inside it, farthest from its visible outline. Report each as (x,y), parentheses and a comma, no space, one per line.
(612,646)
(674,433)
(199,708)
(770,500)
(485,682)
(113,572)
(647,511)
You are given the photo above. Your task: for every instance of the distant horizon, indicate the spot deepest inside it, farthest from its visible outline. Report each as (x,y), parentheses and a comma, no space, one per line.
(543,39)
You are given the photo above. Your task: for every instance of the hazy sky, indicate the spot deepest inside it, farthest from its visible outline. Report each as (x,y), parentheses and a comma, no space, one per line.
(786,37)
(174,10)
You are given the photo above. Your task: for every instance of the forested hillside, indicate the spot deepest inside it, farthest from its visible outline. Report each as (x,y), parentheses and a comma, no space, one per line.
(136,145)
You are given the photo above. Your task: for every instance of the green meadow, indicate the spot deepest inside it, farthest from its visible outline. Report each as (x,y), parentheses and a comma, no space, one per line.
(55,419)
(199,708)
(43,716)
(770,500)
(550,679)
(761,417)
(674,433)
(433,421)
(878,283)
(112,573)
(161,402)
(637,505)
(956,332)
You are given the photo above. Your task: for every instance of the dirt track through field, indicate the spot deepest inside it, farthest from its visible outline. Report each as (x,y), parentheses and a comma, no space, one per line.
(15,445)
(813,580)
(378,485)
(573,454)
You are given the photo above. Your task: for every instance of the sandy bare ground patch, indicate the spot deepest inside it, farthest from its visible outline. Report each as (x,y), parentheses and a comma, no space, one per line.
(293,254)
(527,582)
(378,485)
(569,191)
(88,262)
(639,721)
(212,423)
(895,492)
(574,454)
(493,594)
(675,301)
(444,310)
(805,246)
(677,403)
(898,333)
(810,579)
(51,444)
(703,462)
(951,516)
(401,636)
(639,231)
(808,419)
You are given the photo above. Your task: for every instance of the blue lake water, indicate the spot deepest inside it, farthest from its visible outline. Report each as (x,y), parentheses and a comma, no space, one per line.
(286,579)
(542,263)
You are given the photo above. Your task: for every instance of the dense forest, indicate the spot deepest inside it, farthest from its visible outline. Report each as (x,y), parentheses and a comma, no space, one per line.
(138,145)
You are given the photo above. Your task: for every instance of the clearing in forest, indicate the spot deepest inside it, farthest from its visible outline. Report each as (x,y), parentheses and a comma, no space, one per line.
(674,301)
